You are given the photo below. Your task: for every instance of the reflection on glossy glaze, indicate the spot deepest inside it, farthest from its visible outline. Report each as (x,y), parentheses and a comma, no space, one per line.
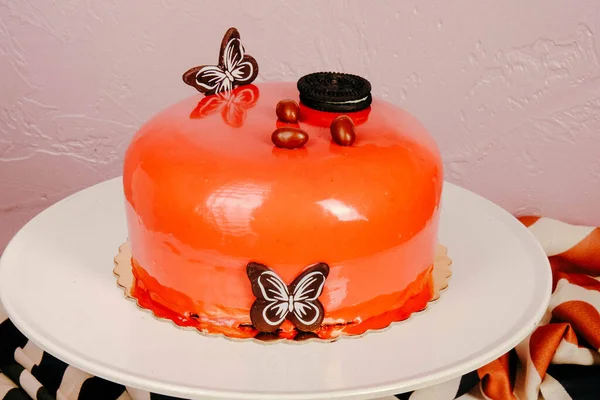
(343,212)
(232,105)
(204,197)
(231,207)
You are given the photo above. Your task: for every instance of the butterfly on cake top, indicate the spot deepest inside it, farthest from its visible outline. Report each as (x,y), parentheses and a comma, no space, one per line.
(235,68)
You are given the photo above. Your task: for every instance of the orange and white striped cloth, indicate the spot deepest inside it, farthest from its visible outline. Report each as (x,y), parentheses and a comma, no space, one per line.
(561,358)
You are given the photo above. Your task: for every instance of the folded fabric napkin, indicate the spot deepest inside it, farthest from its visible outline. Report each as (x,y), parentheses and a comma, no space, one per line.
(560,360)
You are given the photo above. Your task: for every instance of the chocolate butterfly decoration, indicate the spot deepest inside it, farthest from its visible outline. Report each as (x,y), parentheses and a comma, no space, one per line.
(235,68)
(275,301)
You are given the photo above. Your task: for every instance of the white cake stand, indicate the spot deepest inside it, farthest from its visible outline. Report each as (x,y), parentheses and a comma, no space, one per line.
(57,286)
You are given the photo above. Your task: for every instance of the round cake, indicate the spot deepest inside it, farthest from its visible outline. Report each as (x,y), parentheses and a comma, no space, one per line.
(253,213)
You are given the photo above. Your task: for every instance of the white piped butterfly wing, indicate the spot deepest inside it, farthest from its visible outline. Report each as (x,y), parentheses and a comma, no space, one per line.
(234,63)
(308,313)
(275,291)
(211,78)
(307,309)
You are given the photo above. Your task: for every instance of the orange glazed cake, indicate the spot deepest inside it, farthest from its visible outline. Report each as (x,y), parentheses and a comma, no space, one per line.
(293,210)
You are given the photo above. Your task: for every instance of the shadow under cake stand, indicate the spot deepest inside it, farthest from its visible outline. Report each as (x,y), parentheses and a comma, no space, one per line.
(57,286)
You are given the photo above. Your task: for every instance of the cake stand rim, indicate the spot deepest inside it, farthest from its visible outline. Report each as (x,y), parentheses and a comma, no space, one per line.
(382,389)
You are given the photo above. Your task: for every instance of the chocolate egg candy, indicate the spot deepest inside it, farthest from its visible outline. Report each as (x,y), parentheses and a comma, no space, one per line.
(343,131)
(287,111)
(289,137)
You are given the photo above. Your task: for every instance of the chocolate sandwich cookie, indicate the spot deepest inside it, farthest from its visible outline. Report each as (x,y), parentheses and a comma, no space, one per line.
(334,92)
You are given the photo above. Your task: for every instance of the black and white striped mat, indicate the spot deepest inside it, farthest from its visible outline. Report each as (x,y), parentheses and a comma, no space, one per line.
(27,372)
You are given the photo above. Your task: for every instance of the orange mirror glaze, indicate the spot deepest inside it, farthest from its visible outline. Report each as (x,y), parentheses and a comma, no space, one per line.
(207,192)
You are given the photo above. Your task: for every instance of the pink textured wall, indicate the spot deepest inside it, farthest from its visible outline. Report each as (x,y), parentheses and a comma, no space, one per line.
(510,89)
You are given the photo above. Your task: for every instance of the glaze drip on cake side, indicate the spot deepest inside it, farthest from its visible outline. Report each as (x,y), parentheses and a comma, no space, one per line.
(207,193)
